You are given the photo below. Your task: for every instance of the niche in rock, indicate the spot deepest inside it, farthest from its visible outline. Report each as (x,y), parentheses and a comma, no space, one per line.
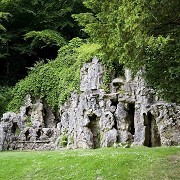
(49,118)
(45,118)
(115,123)
(131,111)
(15,129)
(114,102)
(94,127)
(152,137)
(27,135)
(38,134)
(118,69)
(28,111)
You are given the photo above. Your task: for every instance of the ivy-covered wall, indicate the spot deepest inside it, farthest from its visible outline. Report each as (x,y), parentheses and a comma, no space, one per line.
(54,80)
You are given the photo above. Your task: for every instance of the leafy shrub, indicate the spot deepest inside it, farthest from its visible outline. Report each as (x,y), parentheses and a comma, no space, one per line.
(5,97)
(63,140)
(162,67)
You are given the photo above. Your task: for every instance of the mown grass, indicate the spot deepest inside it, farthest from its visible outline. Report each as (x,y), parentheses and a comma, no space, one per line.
(105,163)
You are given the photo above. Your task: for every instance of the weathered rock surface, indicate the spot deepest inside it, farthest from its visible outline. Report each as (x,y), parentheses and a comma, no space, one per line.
(130,113)
(33,128)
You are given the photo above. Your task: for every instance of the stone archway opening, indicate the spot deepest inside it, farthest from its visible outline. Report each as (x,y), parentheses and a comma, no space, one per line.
(114,102)
(45,118)
(152,137)
(131,112)
(38,134)
(147,124)
(28,111)
(49,118)
(15,129)
(27,135)
(94,127)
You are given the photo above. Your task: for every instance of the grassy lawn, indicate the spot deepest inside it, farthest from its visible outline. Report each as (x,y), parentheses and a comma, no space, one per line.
(105,163)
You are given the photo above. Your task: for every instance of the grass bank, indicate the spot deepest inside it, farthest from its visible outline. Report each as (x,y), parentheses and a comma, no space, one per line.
(102,164)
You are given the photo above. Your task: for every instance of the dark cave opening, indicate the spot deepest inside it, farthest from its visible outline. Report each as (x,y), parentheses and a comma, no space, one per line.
(45,118)
(114,102)
(94,127)
(38,134)
(147,124)
(118,69)
(131,112)
(28,111)
(115,124)
(15,129)
(27,135)
(152,137)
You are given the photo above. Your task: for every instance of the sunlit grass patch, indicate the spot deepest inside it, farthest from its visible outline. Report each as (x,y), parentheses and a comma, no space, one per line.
(103,163)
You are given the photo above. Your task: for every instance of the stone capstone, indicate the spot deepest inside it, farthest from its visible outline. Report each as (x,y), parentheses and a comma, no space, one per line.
(131,113)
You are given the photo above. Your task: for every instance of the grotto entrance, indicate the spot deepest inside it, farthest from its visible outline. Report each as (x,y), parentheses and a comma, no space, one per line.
(94,127)
(152,137)
(131,111)
(50,119)
(15,129)
(27,135)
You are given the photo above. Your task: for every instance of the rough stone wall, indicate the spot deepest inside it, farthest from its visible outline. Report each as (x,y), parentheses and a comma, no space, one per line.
(130,113)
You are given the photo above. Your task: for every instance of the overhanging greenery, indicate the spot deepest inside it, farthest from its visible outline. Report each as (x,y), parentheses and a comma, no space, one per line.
(54,81)
(139,34)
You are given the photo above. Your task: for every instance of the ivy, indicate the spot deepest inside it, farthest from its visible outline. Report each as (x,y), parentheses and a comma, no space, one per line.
(55,80)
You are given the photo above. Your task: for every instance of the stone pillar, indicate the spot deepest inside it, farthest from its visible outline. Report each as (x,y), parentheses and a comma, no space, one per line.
(1,138)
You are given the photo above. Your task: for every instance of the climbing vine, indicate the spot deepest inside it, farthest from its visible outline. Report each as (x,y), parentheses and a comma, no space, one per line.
(55,80)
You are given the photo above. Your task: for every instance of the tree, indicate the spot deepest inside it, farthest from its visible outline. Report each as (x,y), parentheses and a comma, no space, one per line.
(139,34)
(3,16)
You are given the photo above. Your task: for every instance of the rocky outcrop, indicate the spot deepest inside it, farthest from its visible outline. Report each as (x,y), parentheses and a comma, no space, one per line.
(130,113)
(33,128)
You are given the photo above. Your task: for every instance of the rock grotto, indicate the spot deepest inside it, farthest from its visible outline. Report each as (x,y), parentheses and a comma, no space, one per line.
(131,113)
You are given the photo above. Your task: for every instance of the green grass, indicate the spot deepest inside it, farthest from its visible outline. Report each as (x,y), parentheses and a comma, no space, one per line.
(105,163)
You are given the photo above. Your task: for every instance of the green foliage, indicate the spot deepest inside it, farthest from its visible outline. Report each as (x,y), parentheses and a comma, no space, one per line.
(163,67)
(105,163)
(3,16)
(63,140)
(138,34)
(55,80)
(44,38)
(28,121)
(46,26)
(5,98)
(3,39)
(117,26)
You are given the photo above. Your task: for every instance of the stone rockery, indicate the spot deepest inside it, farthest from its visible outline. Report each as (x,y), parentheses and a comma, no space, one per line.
(131,113)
